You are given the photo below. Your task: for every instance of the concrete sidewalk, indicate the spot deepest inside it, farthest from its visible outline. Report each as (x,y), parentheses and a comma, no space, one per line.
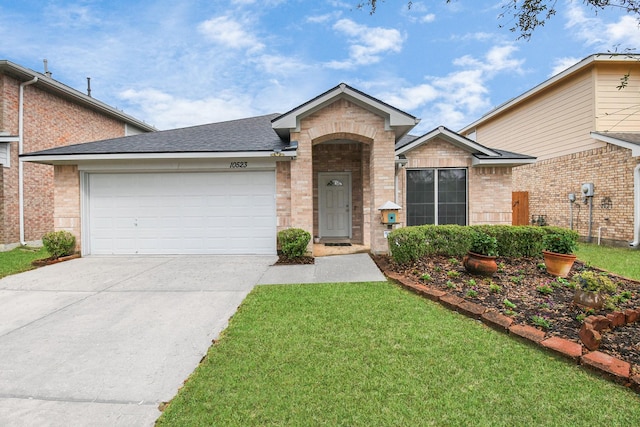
(328,269)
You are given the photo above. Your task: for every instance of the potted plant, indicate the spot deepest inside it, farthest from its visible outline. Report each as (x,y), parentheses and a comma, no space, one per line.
(592,288)
(481,258)
(558,253)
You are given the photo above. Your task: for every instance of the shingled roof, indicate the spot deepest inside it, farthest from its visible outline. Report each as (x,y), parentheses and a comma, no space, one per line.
(243,135)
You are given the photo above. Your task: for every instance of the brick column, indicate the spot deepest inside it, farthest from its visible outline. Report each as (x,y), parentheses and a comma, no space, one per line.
(302,185)
(382,173)
(66,215)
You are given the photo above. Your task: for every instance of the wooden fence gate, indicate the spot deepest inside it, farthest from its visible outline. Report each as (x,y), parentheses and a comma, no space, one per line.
(520,208)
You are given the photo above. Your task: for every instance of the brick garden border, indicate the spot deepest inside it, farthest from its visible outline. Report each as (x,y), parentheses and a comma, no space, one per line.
(607,366)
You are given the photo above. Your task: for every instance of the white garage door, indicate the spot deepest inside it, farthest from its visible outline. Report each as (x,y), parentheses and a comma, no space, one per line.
(182,213)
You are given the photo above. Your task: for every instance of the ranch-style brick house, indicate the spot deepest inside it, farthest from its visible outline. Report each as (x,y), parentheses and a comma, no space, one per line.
(326,166)
(584,129)
(38,113)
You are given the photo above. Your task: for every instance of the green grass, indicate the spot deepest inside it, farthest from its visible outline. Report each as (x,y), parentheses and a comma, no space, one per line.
(19,260)
(373,354)
(622,261)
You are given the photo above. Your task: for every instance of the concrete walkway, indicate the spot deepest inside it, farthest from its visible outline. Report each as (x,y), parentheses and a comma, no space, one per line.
(328,269)
(102,341)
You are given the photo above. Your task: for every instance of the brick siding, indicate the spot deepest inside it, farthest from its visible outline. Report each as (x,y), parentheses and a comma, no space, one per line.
(49,121)
(610,169)
(345,121)
(489,188)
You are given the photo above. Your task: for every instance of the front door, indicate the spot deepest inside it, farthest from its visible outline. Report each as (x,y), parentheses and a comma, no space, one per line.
(334,204)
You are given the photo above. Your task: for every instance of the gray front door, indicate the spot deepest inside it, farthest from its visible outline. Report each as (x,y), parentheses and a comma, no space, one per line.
(334,204)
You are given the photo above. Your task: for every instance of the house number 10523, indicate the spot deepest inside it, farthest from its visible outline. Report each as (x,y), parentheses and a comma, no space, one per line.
(236,165)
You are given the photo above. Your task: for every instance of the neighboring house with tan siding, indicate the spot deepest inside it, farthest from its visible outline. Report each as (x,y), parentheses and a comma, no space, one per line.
(583,129)
(37,113)
(326,166)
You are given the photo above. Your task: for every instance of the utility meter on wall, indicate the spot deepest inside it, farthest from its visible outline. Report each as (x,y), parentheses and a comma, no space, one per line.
(587,190)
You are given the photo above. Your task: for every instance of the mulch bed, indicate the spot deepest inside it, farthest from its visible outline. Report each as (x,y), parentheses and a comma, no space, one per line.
(518,281)
(51,260)
(284,260)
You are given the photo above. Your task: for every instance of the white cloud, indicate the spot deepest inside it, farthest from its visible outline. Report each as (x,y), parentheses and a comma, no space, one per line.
(321,19)
(418,12)
(280,65)
(230,33)
(594,33)
(625,31)
(561,64)
(457,98)
(496,60)
(71,16)
(171,112)
(367,44)
(411,98)
(429,17)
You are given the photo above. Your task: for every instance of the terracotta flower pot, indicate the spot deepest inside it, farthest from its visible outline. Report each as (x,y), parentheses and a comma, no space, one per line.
(557,264)
(481,265)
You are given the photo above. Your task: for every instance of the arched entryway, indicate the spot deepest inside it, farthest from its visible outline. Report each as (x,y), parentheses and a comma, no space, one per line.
(340,187)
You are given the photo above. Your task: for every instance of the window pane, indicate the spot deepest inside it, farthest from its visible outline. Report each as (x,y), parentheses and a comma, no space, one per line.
(452,196)
(420,197)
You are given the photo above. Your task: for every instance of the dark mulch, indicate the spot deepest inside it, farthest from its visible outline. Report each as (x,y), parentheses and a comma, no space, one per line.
(518,281)
(284,260)
(52,260)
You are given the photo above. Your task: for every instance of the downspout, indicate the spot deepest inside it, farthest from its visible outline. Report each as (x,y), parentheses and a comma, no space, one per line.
(20,150)
(636,207)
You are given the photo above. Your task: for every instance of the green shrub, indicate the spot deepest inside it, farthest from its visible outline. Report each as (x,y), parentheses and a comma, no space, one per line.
(561,242)
(293,242)
(407,244)
(484,244)
(515,241)
(448,240)
(411,243)
(594,282)
(59,243)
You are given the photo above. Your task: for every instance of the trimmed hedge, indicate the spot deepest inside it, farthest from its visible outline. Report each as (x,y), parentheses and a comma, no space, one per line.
(293,242)
(59,243)
(410,243)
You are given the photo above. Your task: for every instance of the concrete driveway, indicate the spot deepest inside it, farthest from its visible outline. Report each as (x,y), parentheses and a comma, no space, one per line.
(103,340)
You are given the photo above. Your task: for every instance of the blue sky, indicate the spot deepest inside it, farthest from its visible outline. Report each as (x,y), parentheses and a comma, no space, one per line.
(186,62)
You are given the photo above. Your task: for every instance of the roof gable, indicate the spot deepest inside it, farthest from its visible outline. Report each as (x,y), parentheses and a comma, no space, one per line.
(570,72)
(482,156)
(53,86)
(449,136)
(395,119)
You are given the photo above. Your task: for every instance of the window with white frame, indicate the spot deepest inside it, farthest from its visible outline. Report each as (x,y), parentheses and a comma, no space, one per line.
(436,196)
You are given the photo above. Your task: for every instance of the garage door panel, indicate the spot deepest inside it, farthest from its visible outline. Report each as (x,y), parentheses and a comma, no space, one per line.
(168,213)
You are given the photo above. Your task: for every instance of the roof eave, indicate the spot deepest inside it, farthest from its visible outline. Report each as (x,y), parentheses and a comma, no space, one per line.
(68,159)
(502,162)
(635,149)
(20,72)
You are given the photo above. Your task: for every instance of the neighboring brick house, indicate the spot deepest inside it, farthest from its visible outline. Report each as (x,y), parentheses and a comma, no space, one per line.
(37,113)
(583,129)
(326,166)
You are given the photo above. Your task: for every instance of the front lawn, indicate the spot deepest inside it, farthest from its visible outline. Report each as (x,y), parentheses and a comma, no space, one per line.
(622,261)
(374,354)
(19,260)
